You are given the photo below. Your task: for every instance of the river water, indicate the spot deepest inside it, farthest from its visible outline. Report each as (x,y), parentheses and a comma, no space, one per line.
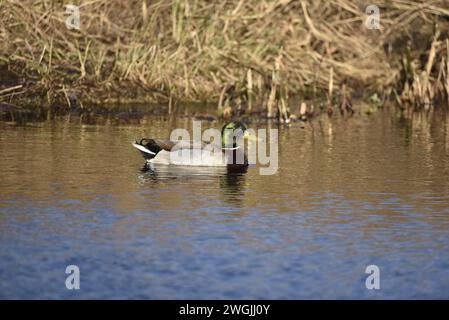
(371,190)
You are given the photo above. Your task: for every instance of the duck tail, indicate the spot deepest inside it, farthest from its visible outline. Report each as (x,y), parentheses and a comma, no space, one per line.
(145,148)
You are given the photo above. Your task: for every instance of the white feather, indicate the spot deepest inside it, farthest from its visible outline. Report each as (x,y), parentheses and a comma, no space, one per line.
(142,148)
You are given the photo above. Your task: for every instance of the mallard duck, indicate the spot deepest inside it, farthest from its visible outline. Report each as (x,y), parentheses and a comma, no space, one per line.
(198,153)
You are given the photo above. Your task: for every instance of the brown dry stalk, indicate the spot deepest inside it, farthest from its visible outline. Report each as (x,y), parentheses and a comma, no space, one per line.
(424,91)
(331,87)
(249,87)
(447,70)
(272,97)
(10,89)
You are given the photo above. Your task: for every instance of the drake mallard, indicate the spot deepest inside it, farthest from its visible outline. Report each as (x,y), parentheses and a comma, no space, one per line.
(199,153)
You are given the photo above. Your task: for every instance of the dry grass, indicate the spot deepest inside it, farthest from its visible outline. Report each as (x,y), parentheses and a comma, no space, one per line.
(425,83)
(189,50)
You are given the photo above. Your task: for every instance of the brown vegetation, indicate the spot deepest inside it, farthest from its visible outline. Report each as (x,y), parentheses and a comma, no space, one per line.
(256,52)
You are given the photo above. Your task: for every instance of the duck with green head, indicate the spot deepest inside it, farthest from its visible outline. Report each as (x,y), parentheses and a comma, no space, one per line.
(195,153)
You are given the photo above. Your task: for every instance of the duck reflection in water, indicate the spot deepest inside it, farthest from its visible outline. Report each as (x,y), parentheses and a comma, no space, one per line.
(231,179)
(232,186)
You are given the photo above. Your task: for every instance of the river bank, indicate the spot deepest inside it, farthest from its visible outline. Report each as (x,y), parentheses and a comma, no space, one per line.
(246,57)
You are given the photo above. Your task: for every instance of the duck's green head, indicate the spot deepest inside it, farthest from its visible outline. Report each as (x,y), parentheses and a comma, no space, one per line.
(232,132)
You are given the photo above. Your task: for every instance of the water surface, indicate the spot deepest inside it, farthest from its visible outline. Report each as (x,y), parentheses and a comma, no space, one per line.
(348,193)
